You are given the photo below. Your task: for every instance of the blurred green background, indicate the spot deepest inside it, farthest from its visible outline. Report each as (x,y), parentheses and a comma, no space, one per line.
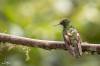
(36,19)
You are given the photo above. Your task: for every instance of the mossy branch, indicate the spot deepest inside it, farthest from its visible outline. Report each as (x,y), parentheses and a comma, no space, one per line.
(45,44)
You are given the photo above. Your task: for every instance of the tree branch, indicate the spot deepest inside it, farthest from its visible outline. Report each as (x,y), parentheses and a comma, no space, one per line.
(45,44)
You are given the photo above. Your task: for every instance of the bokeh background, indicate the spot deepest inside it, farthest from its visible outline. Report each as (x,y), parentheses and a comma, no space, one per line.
(37,19)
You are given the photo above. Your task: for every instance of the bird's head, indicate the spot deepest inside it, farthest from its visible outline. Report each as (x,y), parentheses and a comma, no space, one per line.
(65,22)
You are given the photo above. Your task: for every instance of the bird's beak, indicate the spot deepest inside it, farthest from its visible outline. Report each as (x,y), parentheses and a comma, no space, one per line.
(57,25)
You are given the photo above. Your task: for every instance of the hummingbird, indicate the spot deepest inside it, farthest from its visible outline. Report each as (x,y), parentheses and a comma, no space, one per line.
(71,38)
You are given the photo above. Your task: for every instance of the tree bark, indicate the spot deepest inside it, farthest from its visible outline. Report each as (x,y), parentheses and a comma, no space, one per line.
(45,44)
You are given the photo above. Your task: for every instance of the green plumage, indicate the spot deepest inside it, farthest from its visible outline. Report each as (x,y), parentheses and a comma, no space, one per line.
(71,38)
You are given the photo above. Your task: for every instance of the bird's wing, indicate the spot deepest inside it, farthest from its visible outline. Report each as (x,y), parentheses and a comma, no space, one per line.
(79,41)
(76,41)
